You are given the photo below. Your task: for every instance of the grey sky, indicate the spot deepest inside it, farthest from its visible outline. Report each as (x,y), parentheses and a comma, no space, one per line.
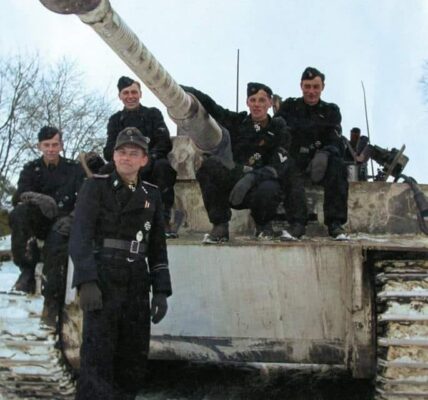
(383,43)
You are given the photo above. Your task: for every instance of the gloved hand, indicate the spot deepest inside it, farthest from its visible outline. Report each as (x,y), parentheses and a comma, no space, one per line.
(159,307)
(94,161)
(63,225)
(90,297)
(46,204)
(241,188)
(318,166)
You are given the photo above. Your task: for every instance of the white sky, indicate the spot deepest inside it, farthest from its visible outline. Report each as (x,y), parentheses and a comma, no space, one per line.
(383,43)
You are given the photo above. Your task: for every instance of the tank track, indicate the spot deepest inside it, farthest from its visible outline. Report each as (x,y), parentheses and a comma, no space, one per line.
(31,363)
(402,329)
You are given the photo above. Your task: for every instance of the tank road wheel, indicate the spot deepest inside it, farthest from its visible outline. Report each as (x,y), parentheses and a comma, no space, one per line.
(31,365)
(402,328)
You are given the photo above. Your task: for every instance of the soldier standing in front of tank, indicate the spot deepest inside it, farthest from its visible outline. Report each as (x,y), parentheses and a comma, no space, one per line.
(262,168)
(317,147)
(119,225)
(44,199)
(150,122)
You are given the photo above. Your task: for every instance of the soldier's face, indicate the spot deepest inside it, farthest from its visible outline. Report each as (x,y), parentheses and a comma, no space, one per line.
(130,96)
(51,148)
(259,104)
(128,160)
(311,90)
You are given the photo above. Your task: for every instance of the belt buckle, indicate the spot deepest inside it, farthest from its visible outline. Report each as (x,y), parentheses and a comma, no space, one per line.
(134,248)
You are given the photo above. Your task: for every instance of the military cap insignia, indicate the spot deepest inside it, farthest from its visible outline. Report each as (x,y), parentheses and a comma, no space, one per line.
(147,226)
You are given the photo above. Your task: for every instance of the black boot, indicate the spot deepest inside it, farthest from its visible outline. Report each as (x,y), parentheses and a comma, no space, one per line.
(265,231)
(336,231)
(219,234)
(294,232)
(170,231)
(26,282)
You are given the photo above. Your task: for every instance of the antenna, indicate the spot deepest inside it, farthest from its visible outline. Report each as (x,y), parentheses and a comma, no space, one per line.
(237,81)
(367,124)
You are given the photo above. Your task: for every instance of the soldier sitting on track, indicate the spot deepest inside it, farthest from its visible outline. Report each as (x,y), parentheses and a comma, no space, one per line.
(262,168)
(43,203)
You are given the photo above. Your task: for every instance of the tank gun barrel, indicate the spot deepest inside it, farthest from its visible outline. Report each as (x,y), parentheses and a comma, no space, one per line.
(184,109)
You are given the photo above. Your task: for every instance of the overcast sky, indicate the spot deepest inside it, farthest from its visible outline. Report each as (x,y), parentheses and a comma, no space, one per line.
(383,43)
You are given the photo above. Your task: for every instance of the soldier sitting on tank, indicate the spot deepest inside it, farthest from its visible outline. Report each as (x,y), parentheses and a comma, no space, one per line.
(118,224)
(317,147)
(262,168)
(356,149)
(151,124)
(43,203)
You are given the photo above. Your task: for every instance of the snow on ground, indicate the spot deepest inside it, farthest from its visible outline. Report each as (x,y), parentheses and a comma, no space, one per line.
(5,242)
(9,272)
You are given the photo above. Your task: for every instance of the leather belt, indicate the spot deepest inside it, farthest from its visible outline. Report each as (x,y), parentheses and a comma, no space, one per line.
(133,246)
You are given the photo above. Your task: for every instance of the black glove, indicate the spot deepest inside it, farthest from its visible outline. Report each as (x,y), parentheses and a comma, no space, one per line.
(318,166)
(159,307)
(63,225)
(241,188)
(94,161)
(90,297)
(46,204)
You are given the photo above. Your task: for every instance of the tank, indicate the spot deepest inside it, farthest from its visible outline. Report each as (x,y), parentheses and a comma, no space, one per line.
(359,306)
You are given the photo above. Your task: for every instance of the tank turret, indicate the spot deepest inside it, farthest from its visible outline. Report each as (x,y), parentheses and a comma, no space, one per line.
(184,109)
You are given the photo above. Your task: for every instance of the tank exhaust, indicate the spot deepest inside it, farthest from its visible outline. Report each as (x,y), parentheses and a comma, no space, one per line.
(184,109)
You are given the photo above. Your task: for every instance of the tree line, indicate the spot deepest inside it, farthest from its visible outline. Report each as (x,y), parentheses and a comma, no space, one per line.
(33,94)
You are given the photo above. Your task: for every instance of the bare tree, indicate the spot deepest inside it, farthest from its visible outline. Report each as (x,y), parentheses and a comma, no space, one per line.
(31,96)
(80,114)
(17,77)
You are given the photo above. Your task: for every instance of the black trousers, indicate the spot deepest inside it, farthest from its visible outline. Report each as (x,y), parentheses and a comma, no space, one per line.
(293,189)
(216,183)
(26,221)
(116,338)
(336,186)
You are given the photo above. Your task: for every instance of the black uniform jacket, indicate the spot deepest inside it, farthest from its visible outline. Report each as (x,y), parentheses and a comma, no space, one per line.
(252,145)
(62,182)
(312,124)
(151,124)
(106,208)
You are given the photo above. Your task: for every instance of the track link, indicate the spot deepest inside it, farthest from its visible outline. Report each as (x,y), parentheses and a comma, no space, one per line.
(402,321)
(31,364)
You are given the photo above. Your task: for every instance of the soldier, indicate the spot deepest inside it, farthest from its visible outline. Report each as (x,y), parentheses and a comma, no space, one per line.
(259,147)
(43,202)
(316,145)
(118,224)
(151,124)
